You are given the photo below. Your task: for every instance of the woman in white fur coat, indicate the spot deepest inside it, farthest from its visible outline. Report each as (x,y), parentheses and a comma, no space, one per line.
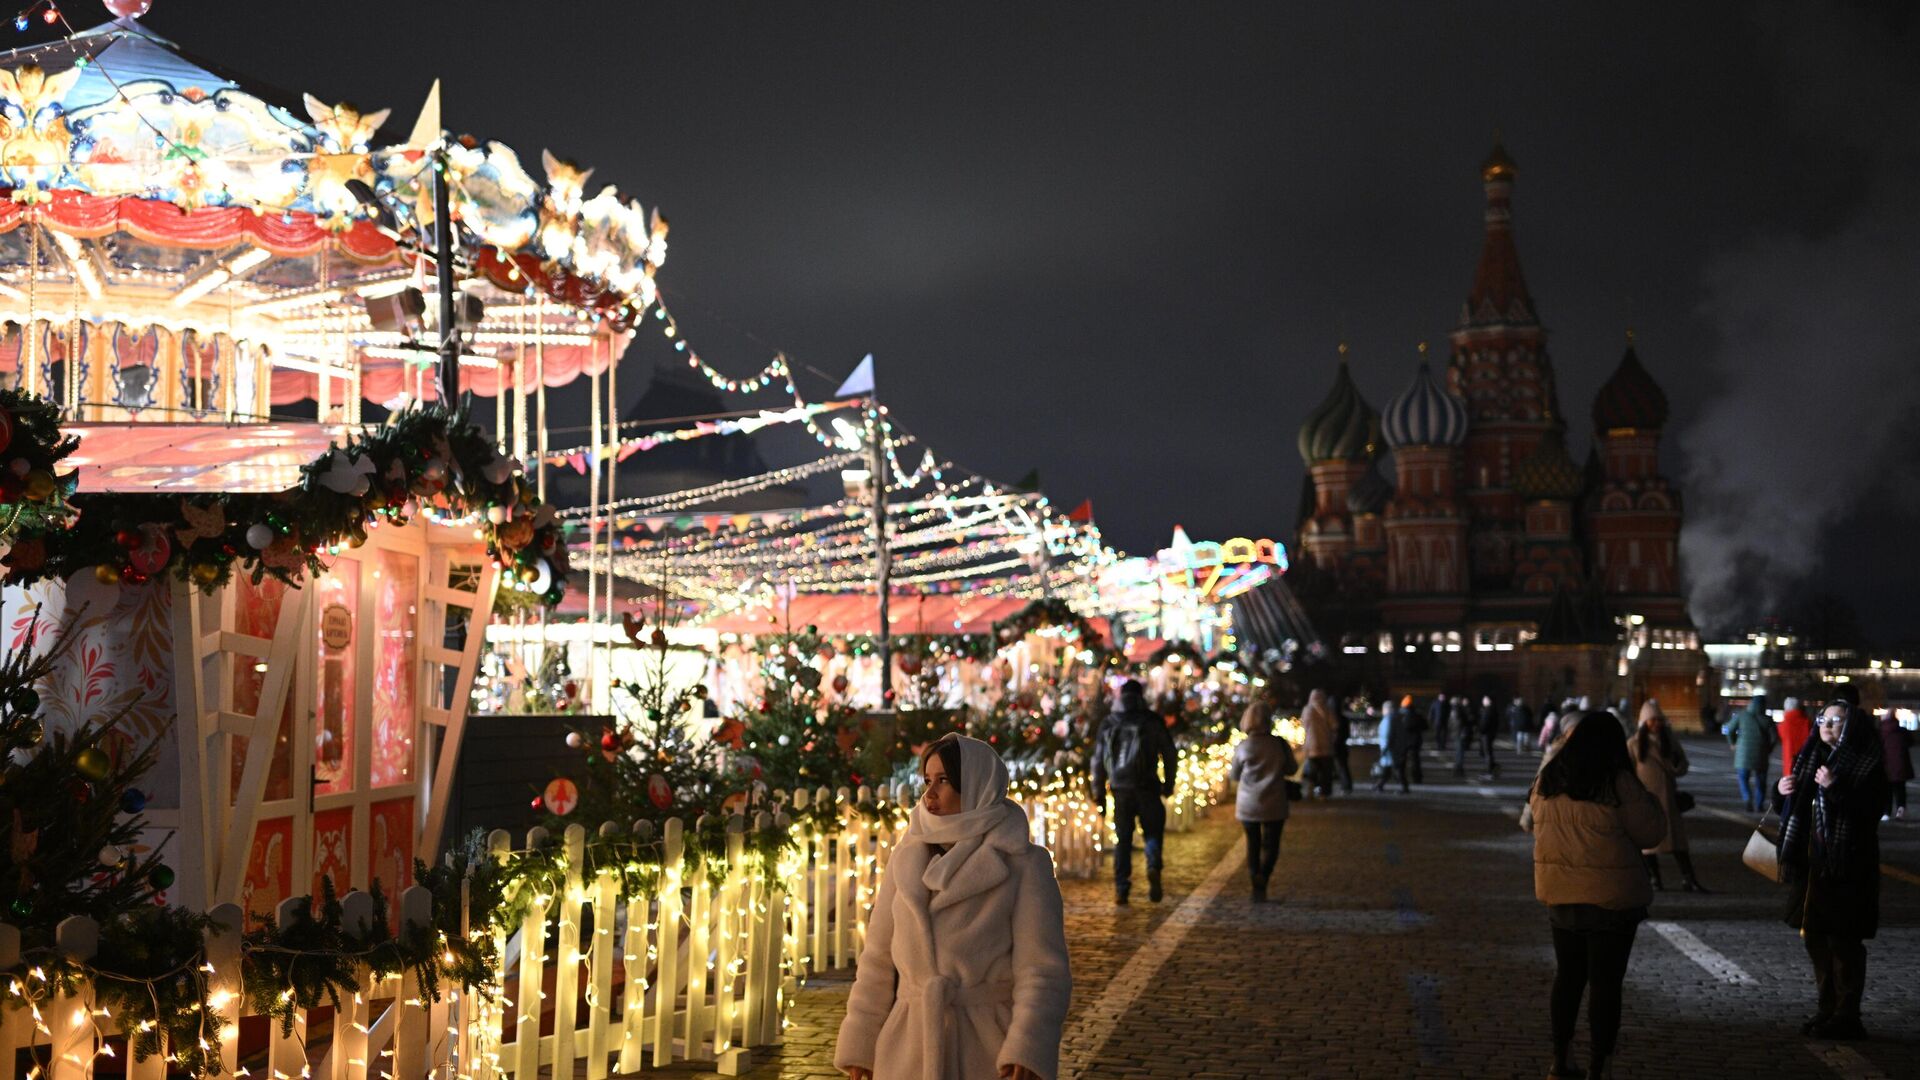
(964,975)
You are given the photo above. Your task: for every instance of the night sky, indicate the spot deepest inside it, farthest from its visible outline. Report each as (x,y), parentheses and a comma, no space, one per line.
(1121,242)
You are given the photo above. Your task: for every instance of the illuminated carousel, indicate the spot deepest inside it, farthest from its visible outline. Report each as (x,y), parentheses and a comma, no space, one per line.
(213,286)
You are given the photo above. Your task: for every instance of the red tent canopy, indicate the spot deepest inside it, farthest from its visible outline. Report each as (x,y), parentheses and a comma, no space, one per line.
(838,614)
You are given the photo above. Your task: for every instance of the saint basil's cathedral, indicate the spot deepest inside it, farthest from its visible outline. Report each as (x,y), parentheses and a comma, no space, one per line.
(1450,542)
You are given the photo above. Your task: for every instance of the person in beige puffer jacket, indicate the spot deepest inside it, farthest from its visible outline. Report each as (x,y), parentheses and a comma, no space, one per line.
(1590,817)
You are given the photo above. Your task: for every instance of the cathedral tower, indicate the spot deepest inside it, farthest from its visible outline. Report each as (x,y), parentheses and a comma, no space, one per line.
(1500,369)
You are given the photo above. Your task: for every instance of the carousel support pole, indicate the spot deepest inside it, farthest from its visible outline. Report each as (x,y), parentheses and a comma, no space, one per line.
(443,272)
(882,559)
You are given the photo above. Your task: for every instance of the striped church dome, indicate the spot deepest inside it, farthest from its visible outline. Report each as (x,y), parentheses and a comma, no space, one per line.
(1344,427)
(1630,398)
(1425,414)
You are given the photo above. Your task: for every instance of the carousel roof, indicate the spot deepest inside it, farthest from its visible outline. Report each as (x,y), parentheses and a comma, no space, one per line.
(143,189)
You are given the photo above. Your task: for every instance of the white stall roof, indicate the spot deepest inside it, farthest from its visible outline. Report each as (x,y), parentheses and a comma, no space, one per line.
(190,458)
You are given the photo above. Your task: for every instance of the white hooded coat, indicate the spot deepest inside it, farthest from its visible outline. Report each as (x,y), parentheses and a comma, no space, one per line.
(965,966)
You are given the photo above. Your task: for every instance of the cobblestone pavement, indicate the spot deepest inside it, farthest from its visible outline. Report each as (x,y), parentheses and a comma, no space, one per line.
(1407,943)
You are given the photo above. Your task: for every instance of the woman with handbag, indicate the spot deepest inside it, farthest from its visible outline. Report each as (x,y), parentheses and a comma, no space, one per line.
(1830,858)
(1261,764)
(1660,761)
(1590,817)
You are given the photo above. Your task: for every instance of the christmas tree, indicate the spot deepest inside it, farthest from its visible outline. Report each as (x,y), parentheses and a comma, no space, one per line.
(799,737)
(69,811)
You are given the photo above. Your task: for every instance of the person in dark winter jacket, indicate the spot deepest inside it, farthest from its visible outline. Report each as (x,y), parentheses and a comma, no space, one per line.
(1342,735)
(1894,743)
(1487,718)
(1520,724)
(1414,725)
(1830,855)
(1134,757)
(1750,732)
(1437,714)
(1460,714)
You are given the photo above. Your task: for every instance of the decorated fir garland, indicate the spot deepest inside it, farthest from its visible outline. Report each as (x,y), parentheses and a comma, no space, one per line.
(1054,612)
(33,492)
(427,460)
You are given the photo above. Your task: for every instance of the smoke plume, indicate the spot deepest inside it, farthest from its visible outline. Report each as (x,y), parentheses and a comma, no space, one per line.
(1818,334)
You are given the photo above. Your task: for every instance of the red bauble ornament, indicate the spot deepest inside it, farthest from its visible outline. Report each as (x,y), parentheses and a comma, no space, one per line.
(610,740)
(659,792)
(129,9)
(840,684)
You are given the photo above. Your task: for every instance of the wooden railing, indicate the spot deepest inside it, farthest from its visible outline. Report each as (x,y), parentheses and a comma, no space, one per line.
(700,967)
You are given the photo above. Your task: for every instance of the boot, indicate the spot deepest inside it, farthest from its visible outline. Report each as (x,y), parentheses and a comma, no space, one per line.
(1259,889)
(1653,872)
(1687,880)
(1153,884)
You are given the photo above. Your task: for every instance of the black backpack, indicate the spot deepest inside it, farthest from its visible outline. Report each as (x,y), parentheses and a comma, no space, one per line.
(1130,761)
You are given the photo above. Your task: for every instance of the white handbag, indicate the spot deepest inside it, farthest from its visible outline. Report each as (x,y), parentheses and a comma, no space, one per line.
(1763,850)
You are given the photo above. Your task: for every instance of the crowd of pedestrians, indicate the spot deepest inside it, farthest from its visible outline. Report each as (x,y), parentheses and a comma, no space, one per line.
(965,959)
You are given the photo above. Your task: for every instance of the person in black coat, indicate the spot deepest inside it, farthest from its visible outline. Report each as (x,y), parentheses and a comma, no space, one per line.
(1520,724)
(1830,856)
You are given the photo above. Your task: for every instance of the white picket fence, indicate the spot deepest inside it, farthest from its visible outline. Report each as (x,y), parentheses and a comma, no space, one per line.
(596,978)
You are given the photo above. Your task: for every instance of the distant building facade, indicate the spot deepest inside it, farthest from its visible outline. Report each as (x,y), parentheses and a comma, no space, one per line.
(1450,542)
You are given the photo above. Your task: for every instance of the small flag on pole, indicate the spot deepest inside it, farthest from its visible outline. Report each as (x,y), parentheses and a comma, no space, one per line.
(1082,513)
(860,383)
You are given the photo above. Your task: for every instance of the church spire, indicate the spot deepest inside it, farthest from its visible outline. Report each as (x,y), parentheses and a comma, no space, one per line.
(1499,293)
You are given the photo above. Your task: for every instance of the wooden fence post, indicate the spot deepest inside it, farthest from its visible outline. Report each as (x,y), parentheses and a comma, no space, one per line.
(529,1000)
(224,994)
(70,1016)
(413,1027)
(566,975)
(639,949)
(601,952)
(666,981)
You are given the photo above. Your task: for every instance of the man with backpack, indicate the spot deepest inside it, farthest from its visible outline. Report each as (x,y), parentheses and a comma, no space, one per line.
(1133,756)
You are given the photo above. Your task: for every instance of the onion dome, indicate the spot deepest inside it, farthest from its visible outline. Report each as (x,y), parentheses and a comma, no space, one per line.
(1344,427)
(1549,472)
(1370,493)
(1630,398)
(1425,413)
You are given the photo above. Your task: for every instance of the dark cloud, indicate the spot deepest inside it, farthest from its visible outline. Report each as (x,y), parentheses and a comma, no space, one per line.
(1121,241)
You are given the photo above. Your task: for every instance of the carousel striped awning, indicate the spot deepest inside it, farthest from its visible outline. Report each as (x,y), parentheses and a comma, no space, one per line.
(1267,618)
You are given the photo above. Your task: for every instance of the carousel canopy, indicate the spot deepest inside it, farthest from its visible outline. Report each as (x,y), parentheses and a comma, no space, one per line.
(196,458)
(178,244)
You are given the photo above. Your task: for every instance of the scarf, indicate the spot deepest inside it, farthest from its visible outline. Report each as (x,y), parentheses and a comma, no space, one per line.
(1815,810)
(985,811)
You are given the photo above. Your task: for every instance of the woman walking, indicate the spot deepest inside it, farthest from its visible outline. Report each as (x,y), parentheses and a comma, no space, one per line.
(1316,720)
(964,974)
(1660,761)
(1261,764)
(1894,743)
(1830,852)
(1394,740)
(1590,817)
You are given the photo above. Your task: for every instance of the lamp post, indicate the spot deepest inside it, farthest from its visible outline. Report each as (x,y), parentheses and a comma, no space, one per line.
(883,561)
